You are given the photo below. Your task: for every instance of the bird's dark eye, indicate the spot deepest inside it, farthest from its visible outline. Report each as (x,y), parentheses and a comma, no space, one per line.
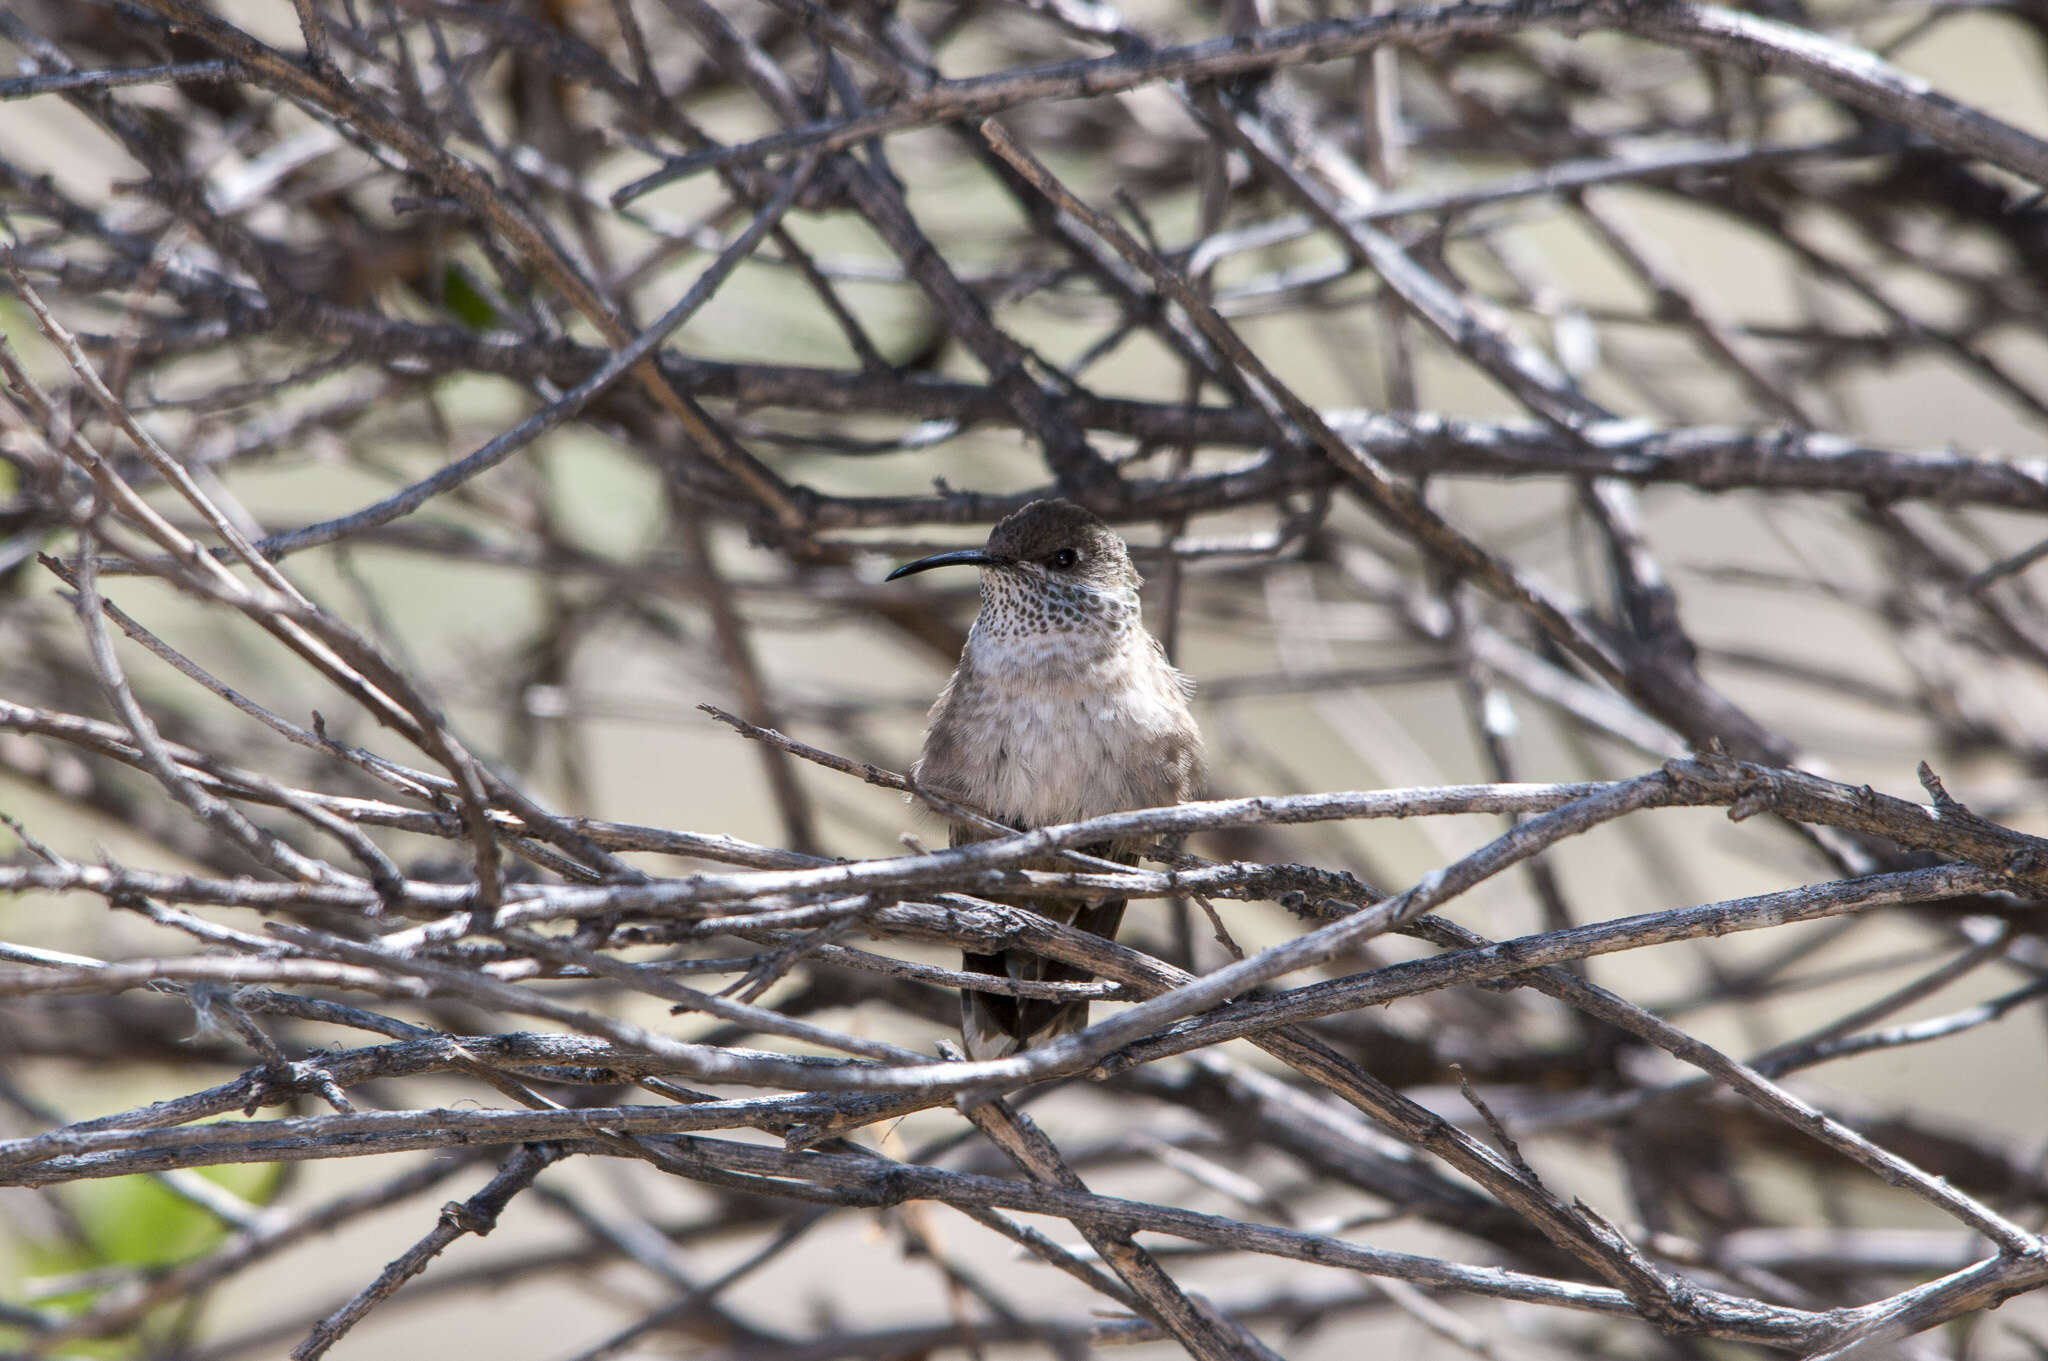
(1063,559)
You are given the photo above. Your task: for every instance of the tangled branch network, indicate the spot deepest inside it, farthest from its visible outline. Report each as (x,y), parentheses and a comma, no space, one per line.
(1572,427)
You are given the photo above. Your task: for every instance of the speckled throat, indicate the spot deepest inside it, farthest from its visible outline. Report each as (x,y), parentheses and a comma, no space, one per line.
(1029,602)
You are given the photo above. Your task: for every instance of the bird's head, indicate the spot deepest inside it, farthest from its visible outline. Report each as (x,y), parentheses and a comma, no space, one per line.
(1053,546)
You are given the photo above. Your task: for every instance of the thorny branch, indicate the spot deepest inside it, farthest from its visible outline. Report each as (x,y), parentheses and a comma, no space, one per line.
(1581,414)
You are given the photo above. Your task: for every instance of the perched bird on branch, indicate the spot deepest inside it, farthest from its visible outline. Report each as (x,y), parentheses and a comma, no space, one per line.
(1062,707)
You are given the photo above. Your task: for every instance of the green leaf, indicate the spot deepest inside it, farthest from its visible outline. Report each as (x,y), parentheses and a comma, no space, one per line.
(465,300)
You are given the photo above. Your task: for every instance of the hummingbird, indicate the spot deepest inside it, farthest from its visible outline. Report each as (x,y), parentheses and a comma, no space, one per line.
(1062,707)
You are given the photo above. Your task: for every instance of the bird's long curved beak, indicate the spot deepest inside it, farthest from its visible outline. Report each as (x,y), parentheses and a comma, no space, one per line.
(964,557)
